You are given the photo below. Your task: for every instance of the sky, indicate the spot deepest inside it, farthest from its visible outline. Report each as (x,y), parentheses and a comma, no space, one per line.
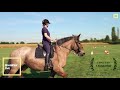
(27,26)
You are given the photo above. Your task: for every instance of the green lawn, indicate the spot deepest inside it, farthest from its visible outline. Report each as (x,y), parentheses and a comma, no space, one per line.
(81,67)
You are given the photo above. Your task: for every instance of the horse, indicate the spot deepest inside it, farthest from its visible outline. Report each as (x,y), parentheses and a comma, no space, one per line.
(62,49)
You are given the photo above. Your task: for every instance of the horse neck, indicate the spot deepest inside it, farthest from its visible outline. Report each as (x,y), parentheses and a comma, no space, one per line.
(62,51)
(68,46)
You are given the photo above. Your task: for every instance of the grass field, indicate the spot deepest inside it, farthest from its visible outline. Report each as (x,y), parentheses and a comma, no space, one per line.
(82,67)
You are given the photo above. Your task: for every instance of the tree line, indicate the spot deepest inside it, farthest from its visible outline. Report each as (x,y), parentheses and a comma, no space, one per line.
(12,42)
(114,38)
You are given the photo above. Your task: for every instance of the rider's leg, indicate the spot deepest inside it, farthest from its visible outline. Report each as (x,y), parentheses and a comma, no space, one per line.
(47,58)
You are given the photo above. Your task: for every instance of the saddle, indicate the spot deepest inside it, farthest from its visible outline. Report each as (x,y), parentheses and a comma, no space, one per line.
(41,53)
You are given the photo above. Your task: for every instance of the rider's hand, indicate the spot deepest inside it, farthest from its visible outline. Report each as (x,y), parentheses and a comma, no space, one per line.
(54,40)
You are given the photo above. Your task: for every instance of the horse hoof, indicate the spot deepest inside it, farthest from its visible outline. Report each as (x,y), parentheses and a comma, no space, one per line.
(64,75)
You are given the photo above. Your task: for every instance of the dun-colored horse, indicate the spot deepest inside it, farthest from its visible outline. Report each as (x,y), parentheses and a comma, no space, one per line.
(62,49)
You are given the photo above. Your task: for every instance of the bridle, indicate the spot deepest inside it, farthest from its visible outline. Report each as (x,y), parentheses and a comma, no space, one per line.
(76,42)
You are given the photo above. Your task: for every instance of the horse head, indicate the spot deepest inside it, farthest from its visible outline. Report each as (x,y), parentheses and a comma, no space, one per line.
(77,47)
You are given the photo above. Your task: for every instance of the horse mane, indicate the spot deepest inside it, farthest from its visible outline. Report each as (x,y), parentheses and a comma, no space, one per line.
(63,40)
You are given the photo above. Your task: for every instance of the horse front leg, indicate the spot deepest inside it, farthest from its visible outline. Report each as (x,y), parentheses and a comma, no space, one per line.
(58,65)
(60,71)
(63,73)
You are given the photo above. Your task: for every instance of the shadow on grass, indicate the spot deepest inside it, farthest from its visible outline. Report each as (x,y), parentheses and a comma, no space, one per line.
(37,74)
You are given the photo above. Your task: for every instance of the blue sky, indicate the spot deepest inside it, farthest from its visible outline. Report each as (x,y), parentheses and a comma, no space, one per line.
(26,26)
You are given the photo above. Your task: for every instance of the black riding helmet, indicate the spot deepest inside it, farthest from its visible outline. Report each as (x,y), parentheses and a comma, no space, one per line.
(45,21)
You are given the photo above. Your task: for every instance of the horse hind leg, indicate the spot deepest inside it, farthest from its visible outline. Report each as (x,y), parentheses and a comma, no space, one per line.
(9,72)
(52,73)
(16,71)
(12,71)
(5,72)
(23,68)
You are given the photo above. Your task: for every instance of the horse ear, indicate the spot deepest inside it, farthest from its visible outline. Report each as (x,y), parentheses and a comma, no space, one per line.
(79,35)
(73,35)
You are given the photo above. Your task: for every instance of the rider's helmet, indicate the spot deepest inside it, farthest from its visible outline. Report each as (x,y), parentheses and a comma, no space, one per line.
(45,21)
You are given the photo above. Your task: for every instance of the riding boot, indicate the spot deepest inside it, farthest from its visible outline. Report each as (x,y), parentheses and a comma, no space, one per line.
(50,64)
(46,62)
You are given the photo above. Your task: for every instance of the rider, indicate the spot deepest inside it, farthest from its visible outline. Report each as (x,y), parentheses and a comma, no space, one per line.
(46,41)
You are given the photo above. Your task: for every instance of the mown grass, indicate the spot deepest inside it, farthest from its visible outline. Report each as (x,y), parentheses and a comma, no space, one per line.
(80,67)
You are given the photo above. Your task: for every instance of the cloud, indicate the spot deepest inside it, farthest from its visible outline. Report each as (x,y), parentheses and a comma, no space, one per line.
(13,22)
(16,21)
(29,21)
(36,18)
(32,14)
(37,15)
(83,18)
(53,19)
(105,18)
(56,19)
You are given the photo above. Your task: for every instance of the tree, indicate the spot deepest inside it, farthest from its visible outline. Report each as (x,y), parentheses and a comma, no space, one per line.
(85,40)
(107,38)
(12,43)
(4,43)
(118,33)
(22,42)
(17,43)
(91,39)
(113,34)
(95,39)
(102,40)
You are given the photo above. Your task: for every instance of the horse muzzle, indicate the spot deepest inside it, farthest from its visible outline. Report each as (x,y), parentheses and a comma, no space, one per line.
(81,54)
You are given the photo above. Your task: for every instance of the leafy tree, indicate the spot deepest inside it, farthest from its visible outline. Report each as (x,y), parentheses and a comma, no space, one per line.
(17,43)
(12,43)
(22,42)
(113,35)
(107,38)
